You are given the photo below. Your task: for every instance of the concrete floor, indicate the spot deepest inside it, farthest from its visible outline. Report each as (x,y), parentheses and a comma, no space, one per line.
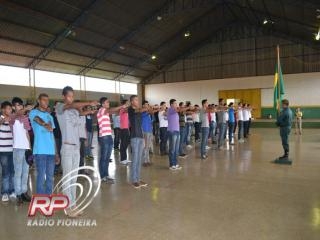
(236,194)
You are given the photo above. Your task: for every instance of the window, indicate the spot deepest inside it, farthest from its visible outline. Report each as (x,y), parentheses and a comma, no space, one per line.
(46,79)
(100,85)
(14,76)
(128,88)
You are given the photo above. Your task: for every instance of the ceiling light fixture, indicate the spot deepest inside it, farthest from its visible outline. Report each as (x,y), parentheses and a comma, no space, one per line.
(265,21)
(159,18)
(122,47)
(187,34)
(317,35)
(153,57)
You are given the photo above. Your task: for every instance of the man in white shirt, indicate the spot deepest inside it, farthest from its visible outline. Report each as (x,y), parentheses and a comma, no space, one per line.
(245,120)
(240,123)
(163,124)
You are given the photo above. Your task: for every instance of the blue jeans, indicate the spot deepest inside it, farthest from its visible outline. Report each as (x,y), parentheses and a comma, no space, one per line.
(188,132)
(21,171)
(7,172)
(174,142)
(106,145)
(183,136)
(137,145)
(88,151)
(222,129)
(240,130)
(231,126)
(204,140)
(212,131)
(45,170)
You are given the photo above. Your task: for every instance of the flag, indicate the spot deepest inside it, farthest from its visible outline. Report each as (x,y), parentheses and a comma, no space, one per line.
(278,88)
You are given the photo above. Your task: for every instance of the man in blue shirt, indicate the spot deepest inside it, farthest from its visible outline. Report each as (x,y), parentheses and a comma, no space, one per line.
(147,133)
(231,123)
(284,121)
(44,149)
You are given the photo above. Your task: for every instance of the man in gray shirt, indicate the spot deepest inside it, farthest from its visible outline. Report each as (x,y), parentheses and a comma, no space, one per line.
(68,114)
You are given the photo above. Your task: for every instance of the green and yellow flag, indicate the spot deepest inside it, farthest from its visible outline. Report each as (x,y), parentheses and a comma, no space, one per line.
(278,88)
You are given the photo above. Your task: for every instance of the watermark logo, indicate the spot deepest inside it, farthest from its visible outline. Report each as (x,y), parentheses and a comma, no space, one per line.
(48,205)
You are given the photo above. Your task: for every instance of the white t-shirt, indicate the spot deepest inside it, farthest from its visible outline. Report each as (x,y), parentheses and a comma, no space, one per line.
(226,116)
(20,138)
(240,114)
(213,117)
(250,112)
(163,120)
(196,117)
(245,113)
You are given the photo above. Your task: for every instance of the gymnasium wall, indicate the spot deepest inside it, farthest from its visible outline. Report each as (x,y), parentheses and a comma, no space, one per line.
(301,89)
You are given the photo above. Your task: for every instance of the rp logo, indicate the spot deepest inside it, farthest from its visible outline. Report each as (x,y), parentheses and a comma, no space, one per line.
(47,204)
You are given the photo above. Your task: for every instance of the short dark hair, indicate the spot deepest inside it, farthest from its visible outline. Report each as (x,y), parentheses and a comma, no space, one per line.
(162,103)
(41,95)
(180,104)
(285,102)
(172,101)
(196,105)
(220,100)
(102,100)
(144,102)
(230,104)
(204,101)
(124,101)
(132,97)
(5,104)
(66,89)
(17,100)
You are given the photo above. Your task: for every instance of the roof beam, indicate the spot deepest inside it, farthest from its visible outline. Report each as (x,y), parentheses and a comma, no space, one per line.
(72,40)
(194,48)
(170,5)
(173,38)
(62,35)
(60,62)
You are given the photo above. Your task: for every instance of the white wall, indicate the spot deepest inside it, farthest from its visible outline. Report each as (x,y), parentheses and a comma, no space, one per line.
(301,89)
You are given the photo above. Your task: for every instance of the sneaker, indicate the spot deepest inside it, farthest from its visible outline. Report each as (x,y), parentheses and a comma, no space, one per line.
(172,168)
(241,141)
(189,146)
(207,147)
(128,161)
(124,162)
(5,198)
(104,179)
(110,180)
(136,185)
(110,160)
(19,200)
(204,157)
(12,196)
(183,155)
(143,184)
(178,167)
(25,197)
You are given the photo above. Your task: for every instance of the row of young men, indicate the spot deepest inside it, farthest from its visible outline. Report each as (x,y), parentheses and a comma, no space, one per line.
(15,140)
(135,127)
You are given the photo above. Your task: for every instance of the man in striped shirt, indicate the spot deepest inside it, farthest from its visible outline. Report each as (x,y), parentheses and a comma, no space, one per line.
(6,149)
(105,137)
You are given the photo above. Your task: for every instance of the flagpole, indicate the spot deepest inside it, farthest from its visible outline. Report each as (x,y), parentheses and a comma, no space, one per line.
(278,82)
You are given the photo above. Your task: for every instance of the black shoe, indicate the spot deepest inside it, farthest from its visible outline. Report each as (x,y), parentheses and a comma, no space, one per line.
(25,197)
(110,160)
(285,156)
(19,200)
